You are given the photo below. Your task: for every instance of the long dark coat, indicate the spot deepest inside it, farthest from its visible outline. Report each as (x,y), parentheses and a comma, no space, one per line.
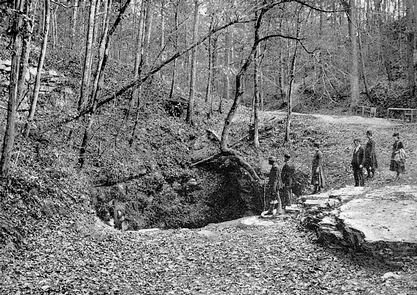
(370,155)
(274,183)
(358,158)
(317,177)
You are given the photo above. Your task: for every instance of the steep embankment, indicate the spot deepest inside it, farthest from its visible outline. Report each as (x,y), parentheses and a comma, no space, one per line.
(73,255)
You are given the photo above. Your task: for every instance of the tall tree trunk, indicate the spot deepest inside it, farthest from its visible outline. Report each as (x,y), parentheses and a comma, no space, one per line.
(24,63)
(363,68)
(54,26)
(96,86)
(174,64)
(224,142)
(289,96)
(145,57)
(256,85)
(139,56)
(384,41)
(34,100)
(291,81)
(209,88)
(226,85)
(410,51)
(215,61)
(354,72)
(99,74)
(85,83)
(74,23)
(190,108)
(9,135)
(162,40)
(148,31)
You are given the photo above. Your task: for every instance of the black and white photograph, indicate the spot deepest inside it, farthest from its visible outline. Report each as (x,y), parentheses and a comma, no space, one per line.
(208,147)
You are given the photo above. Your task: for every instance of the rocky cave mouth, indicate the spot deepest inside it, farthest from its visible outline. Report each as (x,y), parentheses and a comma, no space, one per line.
(218,194)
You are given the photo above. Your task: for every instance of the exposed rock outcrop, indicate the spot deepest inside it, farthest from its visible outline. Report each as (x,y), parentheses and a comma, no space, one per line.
(381,221)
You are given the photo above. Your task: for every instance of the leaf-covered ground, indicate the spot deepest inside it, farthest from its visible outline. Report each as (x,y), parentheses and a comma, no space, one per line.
(79,256)
(229,258)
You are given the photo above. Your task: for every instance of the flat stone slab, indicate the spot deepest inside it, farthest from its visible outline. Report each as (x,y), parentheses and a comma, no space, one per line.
(347,193)
(256,221)
(384,215)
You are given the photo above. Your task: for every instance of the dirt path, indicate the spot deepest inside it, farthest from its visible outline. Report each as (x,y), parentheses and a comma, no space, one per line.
(354,120)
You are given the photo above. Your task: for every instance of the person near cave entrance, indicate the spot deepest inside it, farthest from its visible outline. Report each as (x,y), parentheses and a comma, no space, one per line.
(274,185)
(358,162)
(317,175)
(370,162)
(287,175)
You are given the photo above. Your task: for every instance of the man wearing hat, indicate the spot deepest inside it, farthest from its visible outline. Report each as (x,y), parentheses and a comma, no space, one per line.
(274,184)
(357,162)
(287,175)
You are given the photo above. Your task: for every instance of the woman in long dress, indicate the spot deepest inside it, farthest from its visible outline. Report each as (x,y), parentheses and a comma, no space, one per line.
(398,156)
(317,178)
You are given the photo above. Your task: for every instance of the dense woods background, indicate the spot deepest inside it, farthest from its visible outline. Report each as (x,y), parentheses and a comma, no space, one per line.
(118,100)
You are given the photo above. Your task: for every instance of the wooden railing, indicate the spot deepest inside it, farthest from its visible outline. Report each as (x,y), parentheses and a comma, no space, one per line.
(365,111)
(405,114)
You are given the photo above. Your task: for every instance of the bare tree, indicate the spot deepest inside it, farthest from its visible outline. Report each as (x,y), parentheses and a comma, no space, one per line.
(162,38)
(17,27)
(139,55)
(85,83)
(174,63)
(190,109)
(41,61)
(256,63)
(74,22)
(291,80)
(103,52)
(410,50)
(226,81)
(350,8)
(209,88)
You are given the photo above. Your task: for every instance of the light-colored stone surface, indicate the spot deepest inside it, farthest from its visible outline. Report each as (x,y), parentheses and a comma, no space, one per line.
(384,215)
(347,193)
(256,221)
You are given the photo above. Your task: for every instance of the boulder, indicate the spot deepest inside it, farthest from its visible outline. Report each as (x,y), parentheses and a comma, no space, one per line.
(380,221)
(385,218)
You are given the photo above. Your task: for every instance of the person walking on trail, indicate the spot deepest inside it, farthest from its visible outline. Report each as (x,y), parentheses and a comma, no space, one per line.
(398,156)
(274,185)
(287,176)
(317,177)
(357,163)
(370,163)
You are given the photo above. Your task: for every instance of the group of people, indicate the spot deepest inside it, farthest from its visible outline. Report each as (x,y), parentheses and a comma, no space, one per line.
(365,158)
(280,180)
(362,159)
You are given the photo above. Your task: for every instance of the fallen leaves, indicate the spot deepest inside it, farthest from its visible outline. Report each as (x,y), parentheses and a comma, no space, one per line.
(278,259)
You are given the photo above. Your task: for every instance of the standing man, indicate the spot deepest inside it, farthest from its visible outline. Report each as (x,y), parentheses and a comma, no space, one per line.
(274,184)
(370,162)
(357,162)
(287,176)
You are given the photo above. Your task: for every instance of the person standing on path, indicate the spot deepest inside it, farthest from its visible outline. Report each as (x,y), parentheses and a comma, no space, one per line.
(357,162)
(370,163)
(398,156)
(317,177)
(287,176)
(274,185)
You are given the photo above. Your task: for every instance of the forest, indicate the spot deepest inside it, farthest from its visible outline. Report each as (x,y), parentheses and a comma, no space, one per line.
(140,115)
